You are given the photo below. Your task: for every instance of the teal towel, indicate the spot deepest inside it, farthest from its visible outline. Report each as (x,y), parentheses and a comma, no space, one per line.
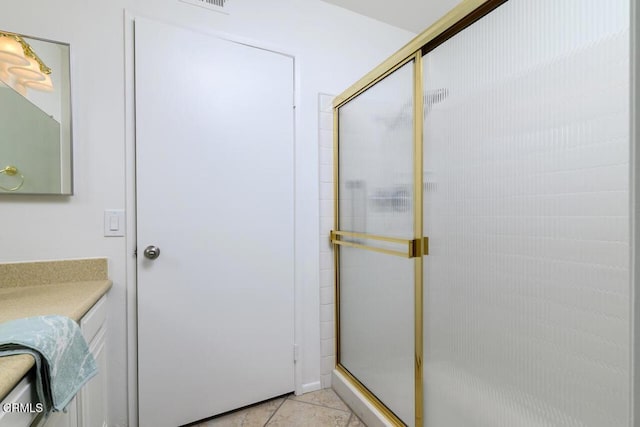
(63,360)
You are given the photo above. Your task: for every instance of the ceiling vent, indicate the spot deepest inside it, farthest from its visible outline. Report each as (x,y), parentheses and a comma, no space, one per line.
(216,5)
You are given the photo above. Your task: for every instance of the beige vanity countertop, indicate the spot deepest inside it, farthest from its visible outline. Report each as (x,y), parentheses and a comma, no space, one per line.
(71,299)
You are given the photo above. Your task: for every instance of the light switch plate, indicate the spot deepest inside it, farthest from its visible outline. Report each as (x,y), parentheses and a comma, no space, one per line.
(114,223)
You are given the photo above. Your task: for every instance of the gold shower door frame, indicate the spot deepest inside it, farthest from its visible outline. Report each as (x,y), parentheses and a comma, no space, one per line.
(459,18)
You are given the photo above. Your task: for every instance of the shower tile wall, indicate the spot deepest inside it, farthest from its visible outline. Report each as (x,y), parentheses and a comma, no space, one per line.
(327,307)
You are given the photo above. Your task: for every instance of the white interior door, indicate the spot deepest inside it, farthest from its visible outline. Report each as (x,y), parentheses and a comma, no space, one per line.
(214,156)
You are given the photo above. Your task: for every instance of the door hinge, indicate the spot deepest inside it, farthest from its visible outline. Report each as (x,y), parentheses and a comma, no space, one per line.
(296,352)
(135,252)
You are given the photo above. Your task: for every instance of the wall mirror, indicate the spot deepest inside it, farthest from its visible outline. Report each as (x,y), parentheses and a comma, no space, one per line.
(35,116)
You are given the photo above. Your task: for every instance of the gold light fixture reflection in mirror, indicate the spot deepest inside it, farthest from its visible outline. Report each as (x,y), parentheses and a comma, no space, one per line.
(44,85)
(4,74)
(11,51)
(28,72)
(26,68)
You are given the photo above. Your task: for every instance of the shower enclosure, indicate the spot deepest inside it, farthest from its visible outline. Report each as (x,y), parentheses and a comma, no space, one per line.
(482,220)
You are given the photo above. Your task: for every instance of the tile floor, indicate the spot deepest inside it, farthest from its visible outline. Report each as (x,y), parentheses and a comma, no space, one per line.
(322,408)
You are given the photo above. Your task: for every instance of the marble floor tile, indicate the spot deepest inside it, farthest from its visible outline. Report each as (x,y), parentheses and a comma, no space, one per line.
(355,422)
(322,408)
(325,397)
(294,413)
(253,416)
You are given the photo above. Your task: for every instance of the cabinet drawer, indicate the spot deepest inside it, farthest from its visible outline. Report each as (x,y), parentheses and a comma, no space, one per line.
(94,319)
(24,395)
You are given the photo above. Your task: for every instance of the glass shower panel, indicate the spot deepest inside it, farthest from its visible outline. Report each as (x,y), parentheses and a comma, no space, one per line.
(376,143)
(526,206)
(376,158)
(377,324)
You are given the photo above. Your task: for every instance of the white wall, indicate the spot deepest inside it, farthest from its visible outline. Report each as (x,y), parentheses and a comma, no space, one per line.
(333,48)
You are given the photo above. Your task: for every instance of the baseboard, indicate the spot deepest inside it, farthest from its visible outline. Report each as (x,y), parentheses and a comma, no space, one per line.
(357,402)
(309,387)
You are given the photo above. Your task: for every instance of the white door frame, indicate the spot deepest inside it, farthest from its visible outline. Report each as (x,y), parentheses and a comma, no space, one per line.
(130,205)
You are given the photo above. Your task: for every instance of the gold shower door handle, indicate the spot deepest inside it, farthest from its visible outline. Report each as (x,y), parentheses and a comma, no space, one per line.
(415,247)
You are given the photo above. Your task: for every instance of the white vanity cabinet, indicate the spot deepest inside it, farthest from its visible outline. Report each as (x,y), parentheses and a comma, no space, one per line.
(24,393)
(92,399)
(89,407)
(62,419)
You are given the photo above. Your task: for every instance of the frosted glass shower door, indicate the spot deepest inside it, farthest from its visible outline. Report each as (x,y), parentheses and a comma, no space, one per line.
(526,207)
(376,315)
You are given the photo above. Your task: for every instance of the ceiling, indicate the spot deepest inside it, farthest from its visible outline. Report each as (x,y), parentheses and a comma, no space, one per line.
(411,15)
